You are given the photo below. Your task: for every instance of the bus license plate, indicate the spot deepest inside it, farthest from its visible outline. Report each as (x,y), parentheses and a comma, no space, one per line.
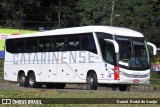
(136,81)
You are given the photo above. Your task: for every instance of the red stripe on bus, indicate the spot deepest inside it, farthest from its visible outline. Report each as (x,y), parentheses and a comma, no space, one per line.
(116,74)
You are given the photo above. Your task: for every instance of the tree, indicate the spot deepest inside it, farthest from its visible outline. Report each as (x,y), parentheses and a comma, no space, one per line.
(94,12)
(65,13)
(13,12)
(134,14)
(143,16)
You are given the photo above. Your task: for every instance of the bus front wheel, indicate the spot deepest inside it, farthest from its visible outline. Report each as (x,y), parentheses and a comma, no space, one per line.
(93,81)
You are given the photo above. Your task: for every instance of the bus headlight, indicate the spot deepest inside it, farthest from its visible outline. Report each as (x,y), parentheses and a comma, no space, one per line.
(147,75)
(122,73)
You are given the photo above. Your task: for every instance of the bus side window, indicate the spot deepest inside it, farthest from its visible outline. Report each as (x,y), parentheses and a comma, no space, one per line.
(10,46)
(53,45)
(84,43)
(109,55)
(60,44)
(73,43)
(31,45)
(19,46)
(44,45)
(88,43)
(92,45)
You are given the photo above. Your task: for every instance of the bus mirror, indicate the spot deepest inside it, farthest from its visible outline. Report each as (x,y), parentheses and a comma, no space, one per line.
(154,47)
(116,46)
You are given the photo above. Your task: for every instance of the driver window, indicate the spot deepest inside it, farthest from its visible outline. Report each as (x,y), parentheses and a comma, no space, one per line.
(125,50)
(109,52)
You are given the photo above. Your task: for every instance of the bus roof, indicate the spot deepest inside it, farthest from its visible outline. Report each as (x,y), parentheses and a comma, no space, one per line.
(85,29)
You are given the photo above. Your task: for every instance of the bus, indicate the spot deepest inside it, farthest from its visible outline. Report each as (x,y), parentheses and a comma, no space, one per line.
(94,55)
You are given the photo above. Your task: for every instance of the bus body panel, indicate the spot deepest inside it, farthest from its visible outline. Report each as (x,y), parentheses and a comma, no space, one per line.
(134,77)
(9,72)
(71,66)
(71,70)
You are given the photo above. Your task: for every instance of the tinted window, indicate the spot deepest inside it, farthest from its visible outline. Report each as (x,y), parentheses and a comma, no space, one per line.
(108,52)
(53,45)
(73,43)
(31,45)
(88,43)
(101,37)
(20,46)
(15,45)
(44,45)
(10,45)
(107,48)
(59,43)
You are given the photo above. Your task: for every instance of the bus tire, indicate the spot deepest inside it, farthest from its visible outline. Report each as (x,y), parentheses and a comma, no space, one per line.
(22,80)
(93,81)
(32,81)
(123,88)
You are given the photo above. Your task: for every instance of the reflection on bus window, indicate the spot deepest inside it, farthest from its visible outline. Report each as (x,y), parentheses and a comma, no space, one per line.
(73,43)
(133,53)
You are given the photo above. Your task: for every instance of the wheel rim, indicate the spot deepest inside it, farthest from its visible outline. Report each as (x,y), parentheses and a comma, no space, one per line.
(91,80)
(21,80)
(31,81)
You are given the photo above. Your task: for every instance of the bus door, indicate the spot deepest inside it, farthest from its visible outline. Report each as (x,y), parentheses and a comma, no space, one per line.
(110,55)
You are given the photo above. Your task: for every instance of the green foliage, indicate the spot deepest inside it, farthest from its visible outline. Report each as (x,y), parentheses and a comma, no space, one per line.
(140,15)
(156,61)
(13,11)
(65,13)
(1,68)
(93,12)
(143,16)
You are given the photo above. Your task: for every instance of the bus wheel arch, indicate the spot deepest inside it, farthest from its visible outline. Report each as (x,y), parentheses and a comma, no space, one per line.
(92,79)
(29,72)
(22,79)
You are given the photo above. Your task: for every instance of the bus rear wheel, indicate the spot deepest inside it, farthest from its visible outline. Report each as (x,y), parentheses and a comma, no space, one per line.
(93,81)
(32,81)
(22,80)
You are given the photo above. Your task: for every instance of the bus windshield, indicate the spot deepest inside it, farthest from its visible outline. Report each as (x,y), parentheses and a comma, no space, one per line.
(133,53)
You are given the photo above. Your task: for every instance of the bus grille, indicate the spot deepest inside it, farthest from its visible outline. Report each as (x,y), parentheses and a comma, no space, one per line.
(135,76)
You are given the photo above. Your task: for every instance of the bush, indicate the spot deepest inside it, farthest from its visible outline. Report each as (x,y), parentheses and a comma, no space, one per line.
(155,61)
(1,68)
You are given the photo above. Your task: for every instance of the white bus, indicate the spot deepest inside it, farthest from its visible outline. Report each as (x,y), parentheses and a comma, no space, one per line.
(96,55)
